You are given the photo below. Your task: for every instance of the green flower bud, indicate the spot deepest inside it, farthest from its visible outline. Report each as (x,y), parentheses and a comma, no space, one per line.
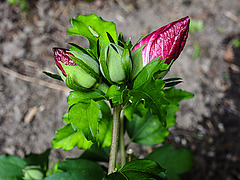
(32,173)
(116,64)
(78,70)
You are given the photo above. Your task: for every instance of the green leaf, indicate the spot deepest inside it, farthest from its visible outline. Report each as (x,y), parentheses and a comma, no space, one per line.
(54,76)
(39,160)
(75,169)
(114,93)
(96,154)
(67,139)
(137,169)
(153,67)
(175,161)
(144,128)
(84,118)
(174,96)
(94,28)
(152,93)
(11,167)
(85,97)
(104,135)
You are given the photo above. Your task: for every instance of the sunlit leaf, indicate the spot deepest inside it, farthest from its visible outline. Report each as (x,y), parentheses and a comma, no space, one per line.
(94,28)
(152,93)
(67,139)
(84,118)
(11,167)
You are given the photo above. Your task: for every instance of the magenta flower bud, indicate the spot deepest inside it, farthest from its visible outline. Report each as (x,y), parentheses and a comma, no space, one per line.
(167,42)
(61,55)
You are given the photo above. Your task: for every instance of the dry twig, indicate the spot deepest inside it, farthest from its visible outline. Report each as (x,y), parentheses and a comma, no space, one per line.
(34,80)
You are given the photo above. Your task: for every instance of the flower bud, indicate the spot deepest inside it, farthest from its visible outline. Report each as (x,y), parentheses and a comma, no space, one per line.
(78,70)
(116,64)
(165,43)
(32,173)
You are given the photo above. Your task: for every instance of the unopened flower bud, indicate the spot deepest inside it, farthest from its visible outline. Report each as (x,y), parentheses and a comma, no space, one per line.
(79,75)
(116,64)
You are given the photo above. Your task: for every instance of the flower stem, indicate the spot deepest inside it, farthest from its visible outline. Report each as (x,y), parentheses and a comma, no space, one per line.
(115,135)
(121,138)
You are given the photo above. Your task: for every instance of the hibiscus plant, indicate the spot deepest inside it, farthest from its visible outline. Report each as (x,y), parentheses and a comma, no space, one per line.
(119,92)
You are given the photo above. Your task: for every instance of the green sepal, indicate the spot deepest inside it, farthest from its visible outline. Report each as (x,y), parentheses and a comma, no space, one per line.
(126,63)
(87,63)
(94,28)
(103,63)
(54,76)
(72,84)
(114,64)
(75,47)
(137,62)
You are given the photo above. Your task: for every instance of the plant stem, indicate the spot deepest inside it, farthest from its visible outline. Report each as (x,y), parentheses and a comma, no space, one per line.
(121,138)
(115,135)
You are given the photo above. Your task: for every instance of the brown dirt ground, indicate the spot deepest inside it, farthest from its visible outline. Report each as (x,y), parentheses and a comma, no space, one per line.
(208,124)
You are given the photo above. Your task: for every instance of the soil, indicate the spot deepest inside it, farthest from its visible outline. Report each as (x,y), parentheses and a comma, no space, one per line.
(32,104)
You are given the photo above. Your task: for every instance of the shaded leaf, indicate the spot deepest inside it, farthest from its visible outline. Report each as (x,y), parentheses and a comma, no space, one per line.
(96,154)
(144,128)
(11,167)
(75,169)
(105,125)
(39,160)
(175,161)
(137,169)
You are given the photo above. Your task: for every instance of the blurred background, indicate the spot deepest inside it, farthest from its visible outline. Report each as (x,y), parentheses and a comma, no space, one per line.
(32,104)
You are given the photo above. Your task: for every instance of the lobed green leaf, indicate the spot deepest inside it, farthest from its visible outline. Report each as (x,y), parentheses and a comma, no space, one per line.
(154,98)
(84,117)
(78,169)
(175,161)
(93,28)
(67,139)
(144,128)
(137,169)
